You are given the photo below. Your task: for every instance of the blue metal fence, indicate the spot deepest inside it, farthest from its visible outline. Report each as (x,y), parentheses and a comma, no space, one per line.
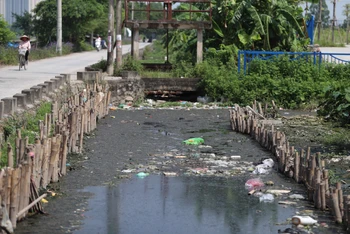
(316,57)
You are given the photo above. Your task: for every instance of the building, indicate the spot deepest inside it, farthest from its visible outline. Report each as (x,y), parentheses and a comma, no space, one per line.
(7,7)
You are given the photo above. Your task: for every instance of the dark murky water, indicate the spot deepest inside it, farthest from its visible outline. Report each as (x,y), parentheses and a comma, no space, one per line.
(159,204)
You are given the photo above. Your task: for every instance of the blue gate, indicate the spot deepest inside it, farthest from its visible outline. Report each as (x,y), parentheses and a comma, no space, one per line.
(316,57)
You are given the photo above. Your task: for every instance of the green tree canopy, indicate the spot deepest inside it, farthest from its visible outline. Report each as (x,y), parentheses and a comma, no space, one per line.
(6,34)
(23,23)
(78,18)
(324,14)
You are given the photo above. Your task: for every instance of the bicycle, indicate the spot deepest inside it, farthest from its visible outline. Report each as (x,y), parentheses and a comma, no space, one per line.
(21,58)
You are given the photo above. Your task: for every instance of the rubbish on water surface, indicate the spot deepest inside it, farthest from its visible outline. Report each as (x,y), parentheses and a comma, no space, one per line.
(303,220)
(112,108)
(113,117)
(43,200)
(268,162)
(180,156)
(265,167)
(127,171)
(235,157)
(251,192)
(267,198)
(194,141)
(287,203)
(296,196)
(277,191)
(170,173)
(270,183)
(199,170)
(254,183)
(142,174)
(260,169)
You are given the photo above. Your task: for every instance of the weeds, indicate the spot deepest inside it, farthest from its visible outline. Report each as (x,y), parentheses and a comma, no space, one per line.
(28,123)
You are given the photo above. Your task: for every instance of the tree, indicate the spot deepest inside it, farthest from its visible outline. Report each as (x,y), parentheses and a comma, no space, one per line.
(260,24)
(324,15)
(78,18)
(23,23)
(6,34)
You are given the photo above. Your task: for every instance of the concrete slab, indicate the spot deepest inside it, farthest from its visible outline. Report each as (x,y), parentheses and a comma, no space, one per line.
(21,100)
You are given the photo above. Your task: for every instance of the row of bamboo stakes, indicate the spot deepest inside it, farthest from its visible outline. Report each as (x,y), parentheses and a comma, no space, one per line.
(33,166)
(301,165)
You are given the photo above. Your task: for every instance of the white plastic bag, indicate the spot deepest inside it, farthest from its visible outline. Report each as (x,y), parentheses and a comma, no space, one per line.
(267,198)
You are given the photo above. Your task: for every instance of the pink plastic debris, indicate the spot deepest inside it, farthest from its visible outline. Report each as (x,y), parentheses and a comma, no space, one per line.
(31,154)
(254,183)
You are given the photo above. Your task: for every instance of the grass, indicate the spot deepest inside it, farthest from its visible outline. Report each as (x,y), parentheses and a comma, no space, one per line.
(27,123)
(326,38)
(154,54)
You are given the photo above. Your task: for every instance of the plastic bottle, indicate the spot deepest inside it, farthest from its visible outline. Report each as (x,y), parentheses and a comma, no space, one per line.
(304,220)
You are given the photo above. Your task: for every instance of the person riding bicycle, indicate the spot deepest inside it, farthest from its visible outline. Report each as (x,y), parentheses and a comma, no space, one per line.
(25,44)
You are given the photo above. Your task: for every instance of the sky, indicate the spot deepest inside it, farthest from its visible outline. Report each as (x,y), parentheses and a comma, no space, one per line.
(339,9)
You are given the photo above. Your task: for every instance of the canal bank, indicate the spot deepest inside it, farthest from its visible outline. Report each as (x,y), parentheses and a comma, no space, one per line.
(131,141)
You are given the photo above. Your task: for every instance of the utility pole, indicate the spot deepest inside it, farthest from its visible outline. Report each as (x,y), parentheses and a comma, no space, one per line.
(59,27)
(110,42)
(319,22)
(347,22)
(334,19)
(119,54)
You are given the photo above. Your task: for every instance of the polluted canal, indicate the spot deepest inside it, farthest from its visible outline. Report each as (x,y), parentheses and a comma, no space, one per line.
(140,175)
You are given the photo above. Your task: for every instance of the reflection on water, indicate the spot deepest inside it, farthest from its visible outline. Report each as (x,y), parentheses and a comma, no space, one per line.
(158,204)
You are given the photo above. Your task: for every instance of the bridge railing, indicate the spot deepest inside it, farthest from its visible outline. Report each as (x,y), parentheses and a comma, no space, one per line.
(245,57)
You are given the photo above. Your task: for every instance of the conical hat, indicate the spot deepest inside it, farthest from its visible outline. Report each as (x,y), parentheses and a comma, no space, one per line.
(24,36)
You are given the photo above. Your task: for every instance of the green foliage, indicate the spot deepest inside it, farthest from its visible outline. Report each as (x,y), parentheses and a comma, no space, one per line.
(23,23)
(6,34)
(101,65)
(78,17)
(337,103)
(28,123)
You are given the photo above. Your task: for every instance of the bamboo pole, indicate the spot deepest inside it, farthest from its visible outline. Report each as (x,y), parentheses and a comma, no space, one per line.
(335,208)
(31,205)
(14,197)
(9,155)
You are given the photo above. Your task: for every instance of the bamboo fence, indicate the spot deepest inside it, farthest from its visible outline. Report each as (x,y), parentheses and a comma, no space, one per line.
(34,166)
(304,167)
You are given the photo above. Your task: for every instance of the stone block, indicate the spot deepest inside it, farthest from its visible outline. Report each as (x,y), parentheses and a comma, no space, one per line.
(10,105)
(38,93)
(50,86)
(57,82)
(21,100)
(66,77)
(89,76)
(61,80)
(30,95)
(1,109)
(44,88)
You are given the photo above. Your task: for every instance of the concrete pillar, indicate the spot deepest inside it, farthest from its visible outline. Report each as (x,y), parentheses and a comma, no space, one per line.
(21,100)
(135,43)
(66,77)
(56,82)
(50,86)
(10,105)
(89,76)
(61,80)
(199,45)
(44,88)
(38,93)
(1,109)
(30,95)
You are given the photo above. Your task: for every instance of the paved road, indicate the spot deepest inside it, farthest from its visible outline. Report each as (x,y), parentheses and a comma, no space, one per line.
(13,81)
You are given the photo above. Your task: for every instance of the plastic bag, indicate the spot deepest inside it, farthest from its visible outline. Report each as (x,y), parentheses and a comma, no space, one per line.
(194,141)
(261,169)
(267,198)
(254,183)
(268,162)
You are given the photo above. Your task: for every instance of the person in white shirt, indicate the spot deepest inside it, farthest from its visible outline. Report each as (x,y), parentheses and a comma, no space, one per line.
(25,44)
